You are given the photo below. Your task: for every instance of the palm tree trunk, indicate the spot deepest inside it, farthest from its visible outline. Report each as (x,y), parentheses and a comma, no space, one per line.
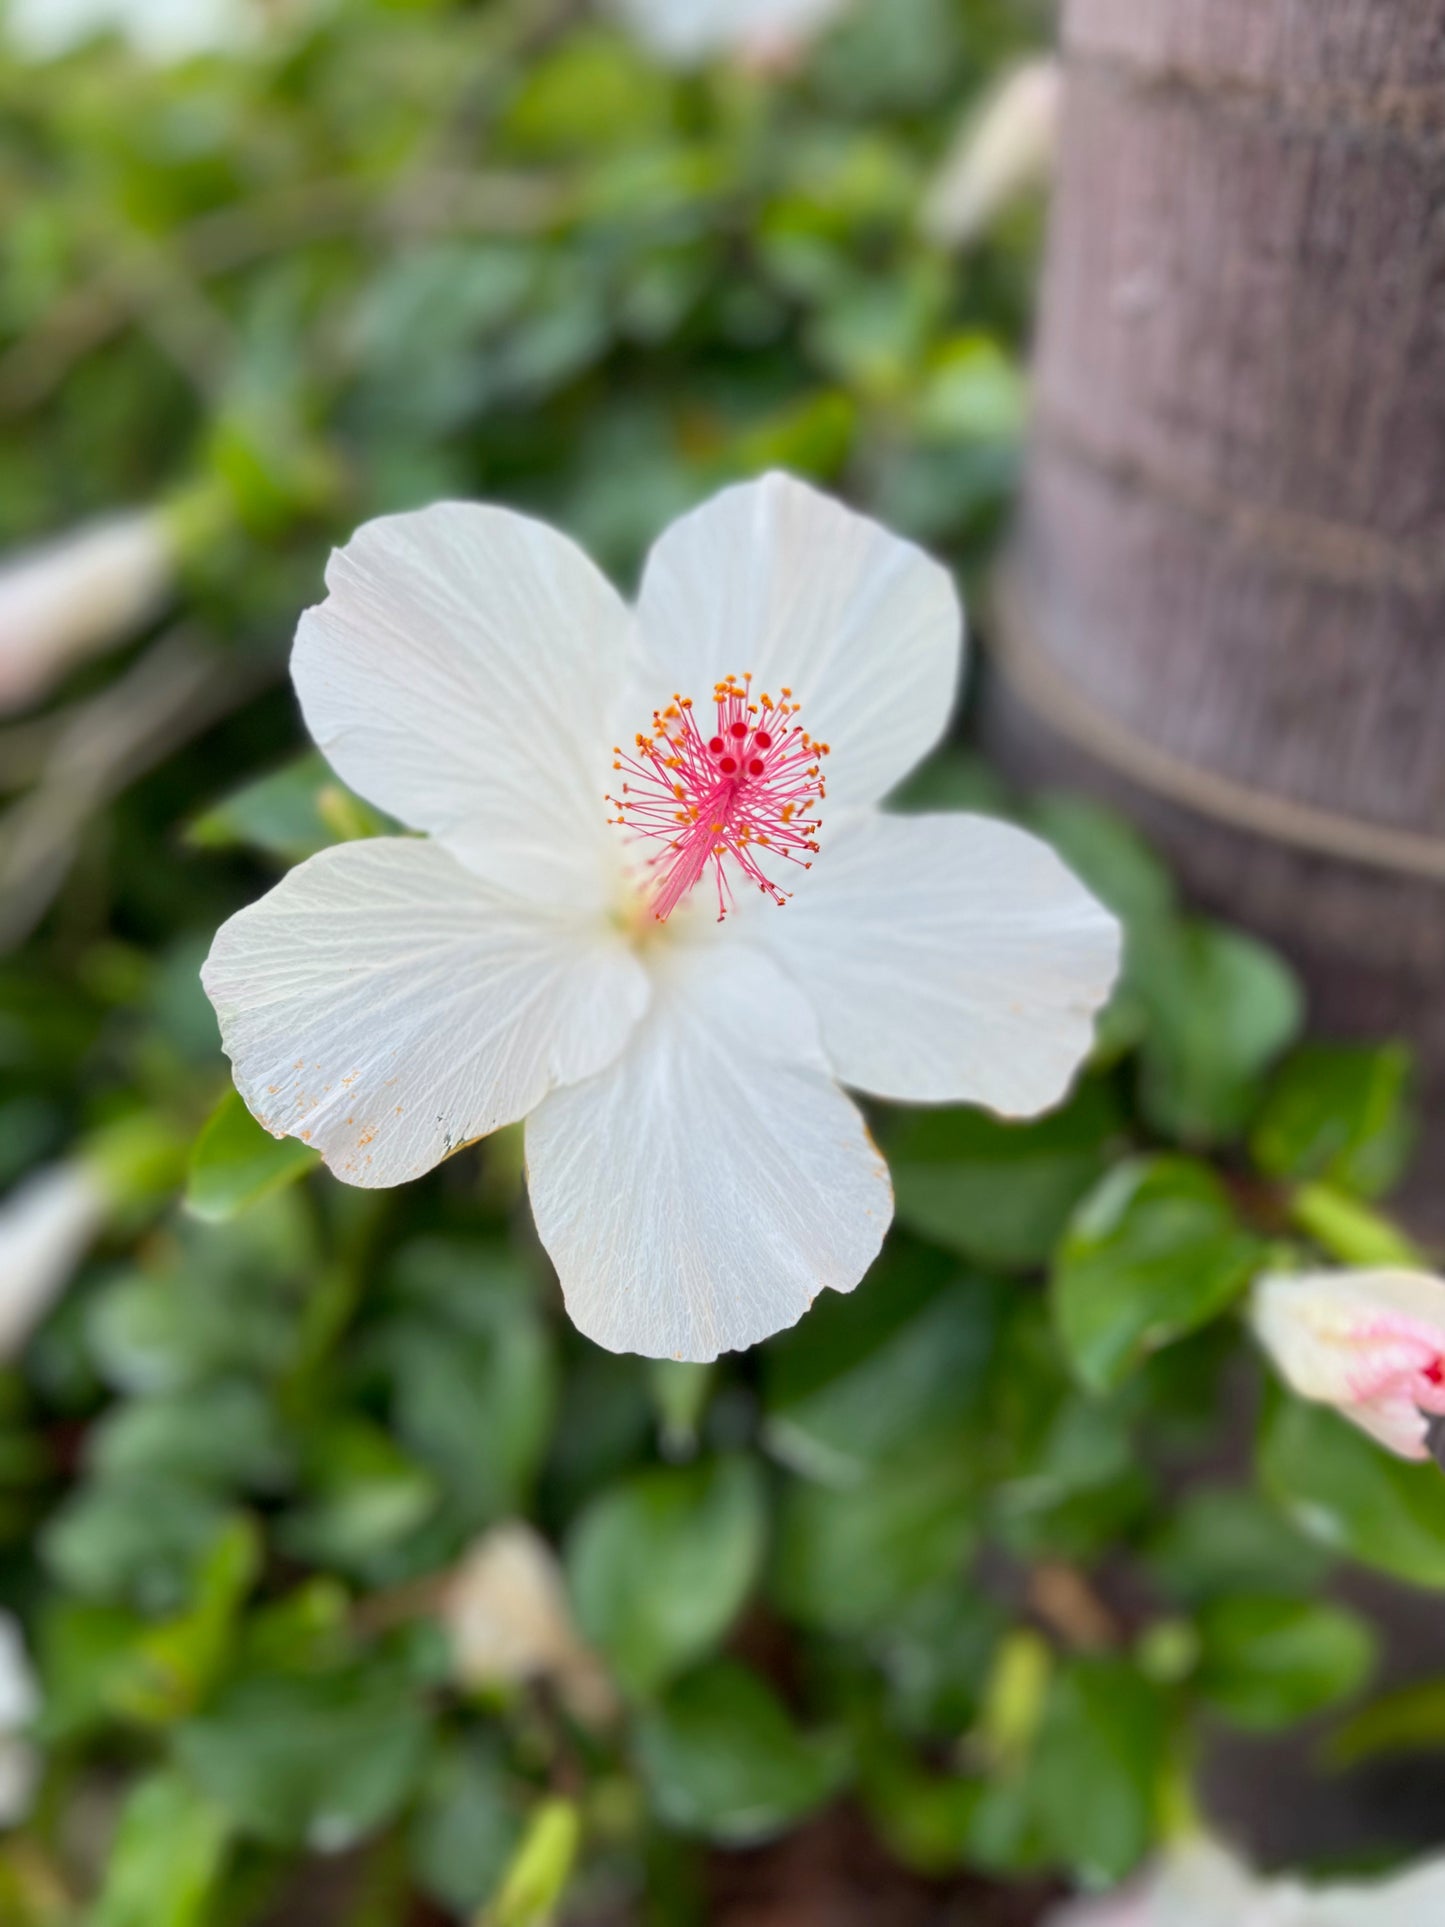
(1225,597)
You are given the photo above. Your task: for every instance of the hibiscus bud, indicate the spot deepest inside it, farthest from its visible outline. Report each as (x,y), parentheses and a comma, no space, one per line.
(79,596)
(46,1223)
(1370,1343)
(1001,152)
(19,1703)
(510,1624)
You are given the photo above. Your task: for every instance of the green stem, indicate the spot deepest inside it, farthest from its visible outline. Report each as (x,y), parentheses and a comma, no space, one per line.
(1350,1230)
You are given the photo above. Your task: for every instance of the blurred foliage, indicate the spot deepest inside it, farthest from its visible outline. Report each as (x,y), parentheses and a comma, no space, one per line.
(979,1548)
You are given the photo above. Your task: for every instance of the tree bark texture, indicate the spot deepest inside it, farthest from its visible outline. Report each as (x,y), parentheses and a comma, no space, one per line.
(1225,597)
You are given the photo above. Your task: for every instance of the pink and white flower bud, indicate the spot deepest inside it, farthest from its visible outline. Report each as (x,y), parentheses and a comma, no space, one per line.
(77,597)
(46,1223)
(507,1613)
(1003,151)
(1370,1343)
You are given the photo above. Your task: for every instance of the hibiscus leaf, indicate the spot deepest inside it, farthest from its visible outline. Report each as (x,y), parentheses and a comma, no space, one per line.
(1219,1008)
(1342,1490)
(1096,1768)
(168,1858)
(1338,1114)
(1267,1662)
(236,1163)
(661,1564)
(721,1758)
(287,815)
(1153,1253)
(995,1192)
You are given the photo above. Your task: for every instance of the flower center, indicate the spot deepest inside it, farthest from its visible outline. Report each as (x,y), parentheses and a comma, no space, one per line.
(739,798)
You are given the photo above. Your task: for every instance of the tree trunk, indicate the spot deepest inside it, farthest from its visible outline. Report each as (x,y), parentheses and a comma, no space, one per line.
(1225,599)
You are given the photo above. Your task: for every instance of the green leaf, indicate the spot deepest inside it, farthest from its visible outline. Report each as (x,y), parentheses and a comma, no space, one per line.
(319,1760)
(1108,854)
(236,1162)
(1153,1254)
(998,1193)
(661,1564)
(226,1435)
(168,1858)
(936,1654)
(1350,1494)
(134,1541)
(466,1828)
(871,1373)
(1340,1114)
(363,1494)
(289,814)
(720,1758)
(471,1374)
(1409,1720)
(1097,1767)
(848,1559)
(1219,1541)
(536,1881)
(1267,1662)
(1220,1008)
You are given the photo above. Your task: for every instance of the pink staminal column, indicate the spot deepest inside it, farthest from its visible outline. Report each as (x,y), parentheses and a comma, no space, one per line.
(740,799)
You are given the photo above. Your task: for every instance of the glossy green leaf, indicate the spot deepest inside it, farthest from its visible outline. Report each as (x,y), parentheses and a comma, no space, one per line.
(1155,1252)
(875,1372)
(236,1163)
(1338,1113)
(721,1758)
(317,1759)
(848,1558)
(999,1193)
(167,1859)
(660,1566)
(1267,1662)
(1220,1008)
(1409,1720)
(1350,1494)
(289,814)
(1097,1765)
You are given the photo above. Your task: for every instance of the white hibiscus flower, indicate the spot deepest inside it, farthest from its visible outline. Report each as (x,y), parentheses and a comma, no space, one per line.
(696,1173)
(685,33)
(1200,1885)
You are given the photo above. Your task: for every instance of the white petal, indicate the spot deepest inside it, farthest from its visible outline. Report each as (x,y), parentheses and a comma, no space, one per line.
(387,1006)
(1412,1899)
(774,578)
(45,1225)
(1003,151)
(75,597)
(461,674)
(699,1194)
(950,959)
(684,32)
(19,1694)
(162,30)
